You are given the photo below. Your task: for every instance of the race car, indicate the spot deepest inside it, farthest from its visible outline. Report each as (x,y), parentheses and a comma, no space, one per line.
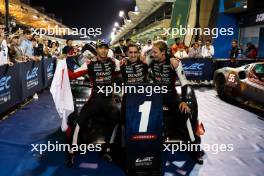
(245,84)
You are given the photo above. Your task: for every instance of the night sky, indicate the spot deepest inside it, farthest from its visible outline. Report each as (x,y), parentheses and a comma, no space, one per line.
(87,13)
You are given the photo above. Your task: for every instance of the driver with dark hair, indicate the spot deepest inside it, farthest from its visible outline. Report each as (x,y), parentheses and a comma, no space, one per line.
(165,70)
(99,115)
(133,70)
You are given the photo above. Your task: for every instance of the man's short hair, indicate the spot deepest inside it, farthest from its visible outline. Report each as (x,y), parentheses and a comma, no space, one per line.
(177,39)
(68,40)
(132,45)
(161,45)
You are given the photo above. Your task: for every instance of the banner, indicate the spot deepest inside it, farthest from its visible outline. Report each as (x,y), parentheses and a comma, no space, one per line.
(144,117)
(198,69)
(49,65)
(9,86)
(31,78)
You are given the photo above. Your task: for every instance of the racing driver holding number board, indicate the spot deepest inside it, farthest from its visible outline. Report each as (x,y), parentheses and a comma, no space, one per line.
(99,115)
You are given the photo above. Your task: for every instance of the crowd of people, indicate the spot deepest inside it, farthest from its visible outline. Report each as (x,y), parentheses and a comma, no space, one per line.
(197,49)
(236,52)
(23,46)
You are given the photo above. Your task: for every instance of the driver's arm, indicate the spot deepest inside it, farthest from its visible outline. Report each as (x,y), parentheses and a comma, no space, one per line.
(78,72)
(183,81)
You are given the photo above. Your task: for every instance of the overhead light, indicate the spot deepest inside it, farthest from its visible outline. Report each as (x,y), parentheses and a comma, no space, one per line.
(121,13)
(116,24)
(244,6)
(112,35)
(136,9)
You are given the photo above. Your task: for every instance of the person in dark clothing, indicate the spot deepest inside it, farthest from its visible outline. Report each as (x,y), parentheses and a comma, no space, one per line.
(165,72)
(68,49)
(99,115)
(119,51)
(134,71)
(235,52)
(251,51)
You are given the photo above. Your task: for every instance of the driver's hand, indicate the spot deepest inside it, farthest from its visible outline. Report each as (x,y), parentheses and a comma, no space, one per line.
(184,107)
(122,62)
(10,63)
(174,62)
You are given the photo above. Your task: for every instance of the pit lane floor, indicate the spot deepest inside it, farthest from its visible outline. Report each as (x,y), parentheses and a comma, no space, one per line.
(225,123)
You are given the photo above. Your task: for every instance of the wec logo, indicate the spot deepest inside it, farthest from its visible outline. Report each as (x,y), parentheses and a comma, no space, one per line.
(195,66)
(146,159)
(32,74)
(4,83)
(50,68)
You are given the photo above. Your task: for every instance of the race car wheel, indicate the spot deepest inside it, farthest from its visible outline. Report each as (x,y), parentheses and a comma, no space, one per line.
(220,84)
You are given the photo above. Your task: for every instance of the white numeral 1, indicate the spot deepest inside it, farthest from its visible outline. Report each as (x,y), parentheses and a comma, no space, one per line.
(144,119)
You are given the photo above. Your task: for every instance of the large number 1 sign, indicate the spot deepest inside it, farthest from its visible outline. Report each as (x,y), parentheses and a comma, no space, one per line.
(144,119)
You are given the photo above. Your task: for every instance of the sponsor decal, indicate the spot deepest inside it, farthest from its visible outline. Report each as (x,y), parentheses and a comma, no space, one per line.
(232,80)
(195,69)
(5,92)
(141,137)
(32,78)
(50,71)
(146,161)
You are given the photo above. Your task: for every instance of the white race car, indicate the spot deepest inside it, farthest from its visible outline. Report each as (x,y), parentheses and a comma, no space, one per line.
(245,83)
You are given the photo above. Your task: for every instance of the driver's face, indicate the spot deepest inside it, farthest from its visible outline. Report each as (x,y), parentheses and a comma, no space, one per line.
(156,53)
(102,52)
(132,54)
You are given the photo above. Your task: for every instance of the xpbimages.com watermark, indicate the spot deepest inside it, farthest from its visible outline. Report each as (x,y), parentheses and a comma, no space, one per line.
(149,90)
(173,148)
(83,32)
(50,147)
(182,31)
(190,147)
